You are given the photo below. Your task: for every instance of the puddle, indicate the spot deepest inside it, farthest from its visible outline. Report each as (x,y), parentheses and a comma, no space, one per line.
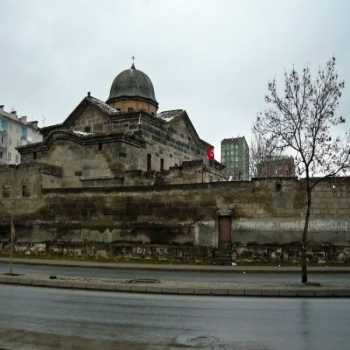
(199,340)
(143,280)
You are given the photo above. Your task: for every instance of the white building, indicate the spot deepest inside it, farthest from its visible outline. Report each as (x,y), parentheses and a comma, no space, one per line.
(15,131)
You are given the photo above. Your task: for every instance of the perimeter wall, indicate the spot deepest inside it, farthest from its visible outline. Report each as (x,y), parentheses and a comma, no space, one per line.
(265,213)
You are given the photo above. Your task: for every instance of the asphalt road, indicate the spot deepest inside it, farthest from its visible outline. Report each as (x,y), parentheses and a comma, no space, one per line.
(43,319)
(193,276)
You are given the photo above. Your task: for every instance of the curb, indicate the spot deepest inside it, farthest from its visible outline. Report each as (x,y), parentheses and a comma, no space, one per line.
(179,268)
(334,291)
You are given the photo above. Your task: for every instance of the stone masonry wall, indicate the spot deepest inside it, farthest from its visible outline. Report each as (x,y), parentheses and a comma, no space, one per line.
(265,213)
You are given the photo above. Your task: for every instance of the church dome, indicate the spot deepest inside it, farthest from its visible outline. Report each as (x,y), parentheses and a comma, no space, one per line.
(132,83)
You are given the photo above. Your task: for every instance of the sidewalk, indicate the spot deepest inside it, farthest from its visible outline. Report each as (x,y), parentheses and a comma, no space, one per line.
(180,288)
(176,267)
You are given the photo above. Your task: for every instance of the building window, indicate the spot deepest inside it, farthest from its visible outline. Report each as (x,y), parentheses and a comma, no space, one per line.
(24,133)
(149,162)
(25,190)
(87,128)
(130,109)
(161,164)
(100,146)
(34,155)
(6,191)
(9,156)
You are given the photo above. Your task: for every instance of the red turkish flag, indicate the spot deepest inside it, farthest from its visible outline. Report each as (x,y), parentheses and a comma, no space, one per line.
(210,153)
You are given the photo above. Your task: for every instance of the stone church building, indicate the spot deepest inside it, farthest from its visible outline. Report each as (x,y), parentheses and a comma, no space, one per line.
(125,141)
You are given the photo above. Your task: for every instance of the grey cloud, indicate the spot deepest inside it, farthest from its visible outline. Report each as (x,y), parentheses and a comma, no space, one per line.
(212,58)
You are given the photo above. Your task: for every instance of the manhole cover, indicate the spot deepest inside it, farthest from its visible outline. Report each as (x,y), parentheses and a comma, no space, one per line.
(143,280)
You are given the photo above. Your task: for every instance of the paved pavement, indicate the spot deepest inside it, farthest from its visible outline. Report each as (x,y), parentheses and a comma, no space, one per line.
(51,319)
(179,287)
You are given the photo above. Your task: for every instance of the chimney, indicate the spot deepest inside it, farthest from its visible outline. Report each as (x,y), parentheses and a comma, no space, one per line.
(2,107)
(14,113)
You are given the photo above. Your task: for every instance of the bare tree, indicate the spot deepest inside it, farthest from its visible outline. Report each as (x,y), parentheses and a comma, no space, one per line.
(302,119)
(259,152)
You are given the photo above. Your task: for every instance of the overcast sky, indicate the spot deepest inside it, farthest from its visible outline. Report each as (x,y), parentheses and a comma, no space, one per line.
(211,58)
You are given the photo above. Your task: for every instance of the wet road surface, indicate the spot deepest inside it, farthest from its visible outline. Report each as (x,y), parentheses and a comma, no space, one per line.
(186,276)
(39,318)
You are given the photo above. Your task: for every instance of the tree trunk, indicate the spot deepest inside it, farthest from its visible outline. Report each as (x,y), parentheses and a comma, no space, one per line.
(305,234)
(12,241)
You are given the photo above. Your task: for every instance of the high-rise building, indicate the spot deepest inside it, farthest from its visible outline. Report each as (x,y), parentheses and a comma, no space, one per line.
(14,132)
(235,157)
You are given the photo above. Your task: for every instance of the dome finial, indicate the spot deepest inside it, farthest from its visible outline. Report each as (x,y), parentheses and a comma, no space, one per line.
(133,62)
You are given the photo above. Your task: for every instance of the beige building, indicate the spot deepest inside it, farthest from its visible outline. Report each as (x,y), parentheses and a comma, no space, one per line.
(15,132)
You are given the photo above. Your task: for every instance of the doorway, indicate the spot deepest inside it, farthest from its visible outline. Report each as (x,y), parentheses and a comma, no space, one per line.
(224,223)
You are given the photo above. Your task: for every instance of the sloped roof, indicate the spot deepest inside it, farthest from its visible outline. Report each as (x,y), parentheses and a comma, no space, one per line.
(88,100)
(169,116)
(103,106)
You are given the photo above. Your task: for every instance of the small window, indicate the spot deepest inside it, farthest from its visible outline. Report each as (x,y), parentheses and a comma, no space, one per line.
(34,155)
(161,164)
(278,187)
(149,162)
(100,145)
(130,109)
(25,190)
(6,191)
(78,173)
(87,129)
